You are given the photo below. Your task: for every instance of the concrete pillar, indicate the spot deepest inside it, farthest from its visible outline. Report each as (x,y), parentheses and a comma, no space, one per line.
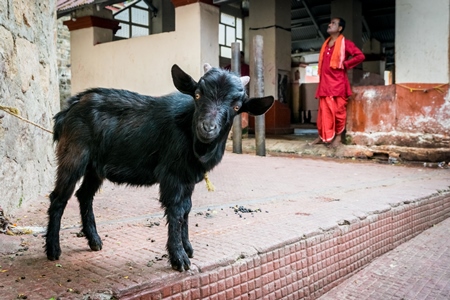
(100,22)
(88,27)
(164,21)
(198,20)
(272,19)
(351,12)
(422,34)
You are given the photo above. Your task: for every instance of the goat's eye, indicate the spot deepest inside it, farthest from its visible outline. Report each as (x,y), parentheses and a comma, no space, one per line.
(197,96)
(236,107)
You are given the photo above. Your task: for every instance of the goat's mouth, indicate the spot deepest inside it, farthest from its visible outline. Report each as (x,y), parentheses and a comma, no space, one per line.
(207,132)
(206,137)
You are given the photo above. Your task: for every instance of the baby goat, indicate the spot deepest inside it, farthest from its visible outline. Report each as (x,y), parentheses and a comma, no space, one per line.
(140,140)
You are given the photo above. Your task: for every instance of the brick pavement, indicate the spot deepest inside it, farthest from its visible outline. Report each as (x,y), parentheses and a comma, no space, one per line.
(319,222)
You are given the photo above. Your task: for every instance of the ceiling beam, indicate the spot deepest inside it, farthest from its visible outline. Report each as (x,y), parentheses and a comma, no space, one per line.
(296,44)
(313,20)
(367,27)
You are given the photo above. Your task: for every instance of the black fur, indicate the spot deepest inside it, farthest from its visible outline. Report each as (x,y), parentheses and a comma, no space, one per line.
(140,140)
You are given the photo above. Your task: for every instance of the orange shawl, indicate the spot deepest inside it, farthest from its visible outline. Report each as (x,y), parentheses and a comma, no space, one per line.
(338,56)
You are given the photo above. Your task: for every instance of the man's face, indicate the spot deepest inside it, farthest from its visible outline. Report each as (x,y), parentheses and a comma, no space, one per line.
(333,27)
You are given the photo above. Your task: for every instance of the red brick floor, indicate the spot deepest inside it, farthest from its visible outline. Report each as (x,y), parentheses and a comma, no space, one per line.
(320,222)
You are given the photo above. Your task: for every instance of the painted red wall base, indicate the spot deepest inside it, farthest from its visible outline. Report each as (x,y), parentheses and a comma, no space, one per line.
(407,114)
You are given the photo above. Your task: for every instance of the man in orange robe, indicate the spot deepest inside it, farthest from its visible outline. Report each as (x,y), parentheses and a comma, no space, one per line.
(334,88)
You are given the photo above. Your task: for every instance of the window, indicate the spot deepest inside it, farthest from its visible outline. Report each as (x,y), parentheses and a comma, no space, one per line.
(135,19)
(230,31)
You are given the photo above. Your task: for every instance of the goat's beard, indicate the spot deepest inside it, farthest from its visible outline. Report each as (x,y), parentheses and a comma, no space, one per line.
(206,139)
(204,151)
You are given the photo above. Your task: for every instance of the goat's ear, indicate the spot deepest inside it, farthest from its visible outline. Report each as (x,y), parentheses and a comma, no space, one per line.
(245,80)
(206,67)
(257,106)
(182,81)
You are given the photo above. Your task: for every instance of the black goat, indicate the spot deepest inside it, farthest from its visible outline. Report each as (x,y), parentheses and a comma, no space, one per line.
(141,140)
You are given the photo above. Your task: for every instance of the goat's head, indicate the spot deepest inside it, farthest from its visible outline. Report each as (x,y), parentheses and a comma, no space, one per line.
(219,96)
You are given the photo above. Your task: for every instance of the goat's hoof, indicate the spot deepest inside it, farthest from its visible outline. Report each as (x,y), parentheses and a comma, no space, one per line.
(181,264)
(181,268)
(189,252)
(96,246)
(52,258)
(53,254)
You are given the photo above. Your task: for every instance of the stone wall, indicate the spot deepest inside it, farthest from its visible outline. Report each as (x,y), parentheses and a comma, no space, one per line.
(28,82)
(63,59)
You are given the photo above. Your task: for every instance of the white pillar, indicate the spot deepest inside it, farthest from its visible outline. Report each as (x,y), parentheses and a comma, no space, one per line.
(271,19)
(198,25)
(422,41)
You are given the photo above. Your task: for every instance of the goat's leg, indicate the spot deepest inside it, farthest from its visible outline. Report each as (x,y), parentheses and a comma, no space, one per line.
(85,194)
(187,203)
(173,199)
(58,202)
(72,162)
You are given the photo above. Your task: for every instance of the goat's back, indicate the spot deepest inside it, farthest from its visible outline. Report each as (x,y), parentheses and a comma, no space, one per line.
(128,137)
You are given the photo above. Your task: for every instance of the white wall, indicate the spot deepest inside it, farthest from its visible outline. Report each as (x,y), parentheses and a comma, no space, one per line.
(422,41)
(143,64)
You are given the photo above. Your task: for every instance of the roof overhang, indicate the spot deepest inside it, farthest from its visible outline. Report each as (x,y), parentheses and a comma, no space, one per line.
(65,7)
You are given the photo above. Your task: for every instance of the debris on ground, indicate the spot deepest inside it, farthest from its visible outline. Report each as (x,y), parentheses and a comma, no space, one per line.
(80,234)
(151,224)
(209,213)
(441,165)
(5,224)
(239,210)
(242,209)
(9,228)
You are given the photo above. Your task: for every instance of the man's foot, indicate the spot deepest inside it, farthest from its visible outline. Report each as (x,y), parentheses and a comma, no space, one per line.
(316,141)
(336,141)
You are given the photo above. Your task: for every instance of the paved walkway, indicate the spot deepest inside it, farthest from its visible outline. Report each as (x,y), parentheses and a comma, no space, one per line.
(314,223)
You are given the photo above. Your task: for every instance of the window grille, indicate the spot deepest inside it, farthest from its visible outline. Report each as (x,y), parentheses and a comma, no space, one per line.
(135,20)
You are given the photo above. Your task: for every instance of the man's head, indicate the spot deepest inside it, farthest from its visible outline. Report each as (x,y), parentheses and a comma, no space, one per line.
(336,26)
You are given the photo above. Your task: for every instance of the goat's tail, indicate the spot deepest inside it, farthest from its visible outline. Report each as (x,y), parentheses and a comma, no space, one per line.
(60,117)
(57,127)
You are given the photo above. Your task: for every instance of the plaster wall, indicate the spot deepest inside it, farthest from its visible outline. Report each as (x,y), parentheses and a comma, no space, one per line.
(143,64)
(422,41)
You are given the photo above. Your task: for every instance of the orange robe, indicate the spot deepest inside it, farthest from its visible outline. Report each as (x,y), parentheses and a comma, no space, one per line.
(333,91)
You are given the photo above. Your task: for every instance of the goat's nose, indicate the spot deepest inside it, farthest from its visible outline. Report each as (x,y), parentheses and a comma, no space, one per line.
(209,126)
